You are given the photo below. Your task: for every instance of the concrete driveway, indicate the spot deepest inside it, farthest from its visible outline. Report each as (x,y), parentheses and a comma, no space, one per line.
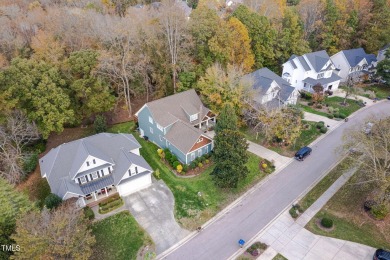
(153,209)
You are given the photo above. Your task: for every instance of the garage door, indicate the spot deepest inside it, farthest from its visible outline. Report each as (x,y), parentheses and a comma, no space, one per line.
(135,184)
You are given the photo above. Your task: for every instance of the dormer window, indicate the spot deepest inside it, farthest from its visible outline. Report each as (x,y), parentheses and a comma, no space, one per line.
(82,180)
(87,163)
(320,75)
(94,162)
(193,117)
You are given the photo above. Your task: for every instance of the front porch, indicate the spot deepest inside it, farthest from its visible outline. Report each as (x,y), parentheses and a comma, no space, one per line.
(208,122)
(93,198)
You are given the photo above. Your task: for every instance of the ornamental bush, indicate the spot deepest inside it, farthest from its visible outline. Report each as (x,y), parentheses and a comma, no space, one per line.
(168,155)
(100,124)
(179,168)
(326,222)
(173,159)
(330,116)
(342,116)
(379,211)
(320,124)
(185,168)
(323,129)
(52,201)
(88,213)
(30,163)
(175,164)
(193,165)
(293,212)
(200,165)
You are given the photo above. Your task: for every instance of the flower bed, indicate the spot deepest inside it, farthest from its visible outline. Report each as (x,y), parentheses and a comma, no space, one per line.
(110,204)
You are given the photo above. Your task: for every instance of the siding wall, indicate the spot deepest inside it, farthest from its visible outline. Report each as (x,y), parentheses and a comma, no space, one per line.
(204,150)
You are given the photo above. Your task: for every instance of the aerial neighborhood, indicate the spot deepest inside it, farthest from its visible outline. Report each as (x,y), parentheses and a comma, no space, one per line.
(195,129)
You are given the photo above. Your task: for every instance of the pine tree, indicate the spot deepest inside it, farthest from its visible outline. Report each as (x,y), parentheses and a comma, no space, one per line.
(227,119)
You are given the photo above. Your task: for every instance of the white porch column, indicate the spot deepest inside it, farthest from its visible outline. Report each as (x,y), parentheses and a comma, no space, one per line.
(105,188)
(94,195)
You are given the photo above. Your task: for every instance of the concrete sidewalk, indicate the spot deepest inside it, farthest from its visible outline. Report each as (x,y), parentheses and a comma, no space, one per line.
(292,240)
(268,154)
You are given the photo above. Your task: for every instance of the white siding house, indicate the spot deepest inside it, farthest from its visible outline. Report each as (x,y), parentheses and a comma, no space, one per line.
(303,72)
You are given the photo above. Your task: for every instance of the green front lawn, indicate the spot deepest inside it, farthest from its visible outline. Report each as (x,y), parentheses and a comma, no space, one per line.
(336,102)
(313,110)
(279,257)
(197,199)
(118,237)
(381,91)
(324,184)
(351,222)
(307,136)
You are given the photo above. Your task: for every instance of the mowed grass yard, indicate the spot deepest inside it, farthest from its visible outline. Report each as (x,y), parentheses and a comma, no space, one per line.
(197,199)
(118,237)
(347,110)
(309,133)
(381,91)
(351,222)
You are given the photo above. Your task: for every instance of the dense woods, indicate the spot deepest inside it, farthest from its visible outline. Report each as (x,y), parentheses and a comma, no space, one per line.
(65,61)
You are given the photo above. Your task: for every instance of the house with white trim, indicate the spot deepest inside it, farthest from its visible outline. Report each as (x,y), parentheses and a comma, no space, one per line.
(270,89)
(304,72)
(95,167)
(355,63)
(179,123)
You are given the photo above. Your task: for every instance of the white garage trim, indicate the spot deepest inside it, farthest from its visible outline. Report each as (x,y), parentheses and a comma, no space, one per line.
(135,184)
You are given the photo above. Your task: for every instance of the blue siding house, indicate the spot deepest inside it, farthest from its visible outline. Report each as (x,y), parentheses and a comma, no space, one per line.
(179,123)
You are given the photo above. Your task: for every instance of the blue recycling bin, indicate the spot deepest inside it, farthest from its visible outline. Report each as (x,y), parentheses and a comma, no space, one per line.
(241,242)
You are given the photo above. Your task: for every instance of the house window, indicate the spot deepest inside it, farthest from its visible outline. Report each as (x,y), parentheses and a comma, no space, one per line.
(320,75)
(82,179)
(206,150)
(160,137)
(87,163)
(192,156)
(151,130)
(94,162)
(200,152)
(160,127)
(136,169)
(150,120)
(200,140)
(102,172)
(129,172)
(95,175)
(193,117)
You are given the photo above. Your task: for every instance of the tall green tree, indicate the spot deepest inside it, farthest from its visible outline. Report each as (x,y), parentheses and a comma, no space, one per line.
(91,93)
(227,119)
(262,35)
(39,90)
(230,151)
(291,37)
(13,204)
(383,68)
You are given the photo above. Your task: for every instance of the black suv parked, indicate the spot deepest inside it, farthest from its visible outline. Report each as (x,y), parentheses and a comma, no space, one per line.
(303,153)
(381,254)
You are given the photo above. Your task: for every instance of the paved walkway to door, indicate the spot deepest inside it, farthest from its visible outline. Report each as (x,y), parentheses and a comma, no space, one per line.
(153,209)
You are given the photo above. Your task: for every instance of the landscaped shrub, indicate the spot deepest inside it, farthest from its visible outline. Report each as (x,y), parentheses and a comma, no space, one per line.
(168,155)
(202,159)
(109,199)
(156,174)
(173,159)
(193,165)
(207,155)
(185,168)
(331,110)
(175,164)
(324,129)
(110,206)
(293,212)
(319,106)
(207,161)
(200,165)
(255,248)
(336,115)
(30,163)
(310,104)
(161,153)
(264,165)
(88,213)
(342,116)
(179,168)
(379,211)
(52,201)
(320,124)
(326,222)
(330,116)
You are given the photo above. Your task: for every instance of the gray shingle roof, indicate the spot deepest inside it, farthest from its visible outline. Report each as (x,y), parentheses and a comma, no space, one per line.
(168,110)
(318,59)
(304,63)
(97,184)
(291,59)
(354,56)
(262,80)
(322,81)
(139,175)
(183,136)
(62,163)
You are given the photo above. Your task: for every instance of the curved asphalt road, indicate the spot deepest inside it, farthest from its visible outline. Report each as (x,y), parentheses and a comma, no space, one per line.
(255,211)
